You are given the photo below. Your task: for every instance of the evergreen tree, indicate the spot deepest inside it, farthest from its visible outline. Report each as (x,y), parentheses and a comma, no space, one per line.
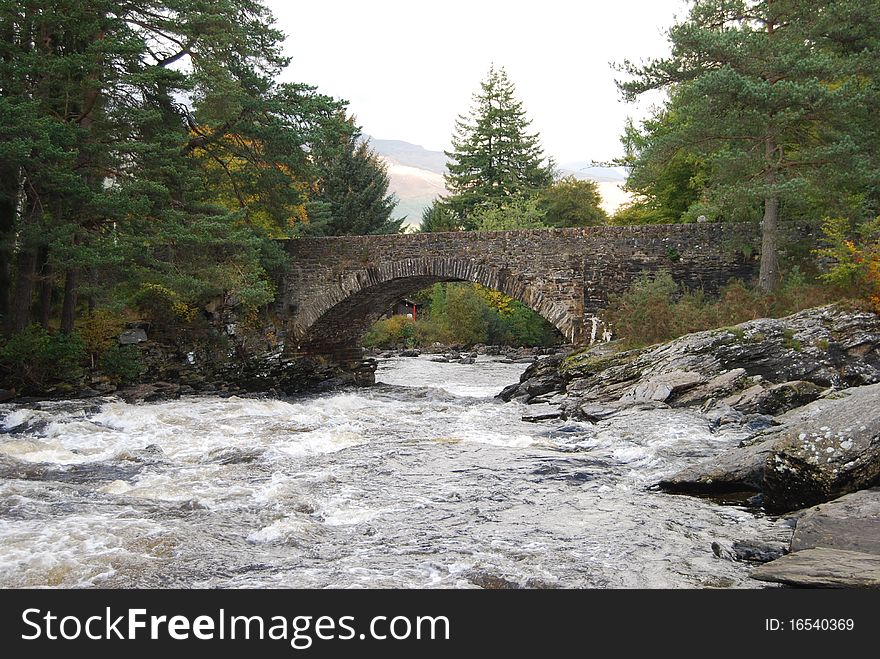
(354,188)
(120,166)
(439,217)
(494,157)
(776,96)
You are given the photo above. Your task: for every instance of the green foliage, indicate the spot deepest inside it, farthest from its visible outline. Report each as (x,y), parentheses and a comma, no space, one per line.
(439,217)
(518,213)
(396,331)
(155,144)
(34,359)
(354,187)
(768,115)
(571,202)
(121,363)
(100,329)
(465,314)
(161,307)
(854,256)
(494,157)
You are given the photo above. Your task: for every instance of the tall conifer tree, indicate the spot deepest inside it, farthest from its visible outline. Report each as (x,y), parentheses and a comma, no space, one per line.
(494,156)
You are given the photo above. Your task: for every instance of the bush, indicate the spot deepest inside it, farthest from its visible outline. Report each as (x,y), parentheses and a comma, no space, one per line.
(396,331)
(161,306)
(854,254)
(121,363)
(100,329)
(654,309)
(33,359)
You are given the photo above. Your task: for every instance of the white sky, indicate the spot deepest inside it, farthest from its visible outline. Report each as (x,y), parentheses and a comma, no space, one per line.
(409,68)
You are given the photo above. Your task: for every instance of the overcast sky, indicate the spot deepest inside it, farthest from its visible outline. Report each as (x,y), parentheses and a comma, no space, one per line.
(408,68)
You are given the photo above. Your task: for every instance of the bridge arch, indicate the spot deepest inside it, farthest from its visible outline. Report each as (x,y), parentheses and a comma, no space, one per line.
(335,286)
(343,312)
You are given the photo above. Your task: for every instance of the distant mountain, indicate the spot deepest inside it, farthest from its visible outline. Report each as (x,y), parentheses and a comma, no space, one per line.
(583,169)
(411,155)
(416,176)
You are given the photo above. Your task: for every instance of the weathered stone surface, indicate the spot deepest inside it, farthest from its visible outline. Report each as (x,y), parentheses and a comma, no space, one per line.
(736,470)
(827,448)
(823,568)
(776,398)
(756,551)
(132,337)
(662,386)
(851,522)
(765,366)
(336,286)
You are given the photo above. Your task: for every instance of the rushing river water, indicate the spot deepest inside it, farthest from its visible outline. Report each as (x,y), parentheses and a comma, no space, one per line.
(425,480)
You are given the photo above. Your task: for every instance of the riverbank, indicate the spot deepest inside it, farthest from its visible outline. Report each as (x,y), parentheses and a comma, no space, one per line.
(804,390)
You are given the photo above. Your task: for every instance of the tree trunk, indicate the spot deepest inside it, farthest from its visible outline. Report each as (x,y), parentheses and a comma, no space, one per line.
(22,297)
(46,285)
(68,309)
(7,227)
(768,277)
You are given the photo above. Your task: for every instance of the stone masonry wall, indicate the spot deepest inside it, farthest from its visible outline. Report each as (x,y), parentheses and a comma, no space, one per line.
(337,286)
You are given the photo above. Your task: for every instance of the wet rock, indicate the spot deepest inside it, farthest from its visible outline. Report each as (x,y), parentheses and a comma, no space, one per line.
(467,360)
(764,366)
(535,418)
(88,392)
(492,581)
(6,394)
(776,398)
(736,470)
(757,551)
(440,360)
(828,448)
(508,392)
(823,568)
(411,352)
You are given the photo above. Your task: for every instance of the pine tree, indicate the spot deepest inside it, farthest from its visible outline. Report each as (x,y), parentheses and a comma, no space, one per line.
(776,97)
(494,157)
(354,187)
(438,217)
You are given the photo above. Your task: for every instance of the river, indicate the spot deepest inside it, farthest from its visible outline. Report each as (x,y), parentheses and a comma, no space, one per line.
(425,480)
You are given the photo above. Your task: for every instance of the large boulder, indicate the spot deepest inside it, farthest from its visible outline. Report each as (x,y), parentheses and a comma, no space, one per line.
(835,544)
(740,469)
(819,452)
(827,448)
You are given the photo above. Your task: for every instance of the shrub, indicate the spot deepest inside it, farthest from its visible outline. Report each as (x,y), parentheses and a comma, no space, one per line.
(654,309)
(161,306)
(99,331)
(121,363)
(33,359)
(388,332)
(855,259)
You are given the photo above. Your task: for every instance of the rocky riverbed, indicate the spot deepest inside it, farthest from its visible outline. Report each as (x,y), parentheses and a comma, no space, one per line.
(805,389)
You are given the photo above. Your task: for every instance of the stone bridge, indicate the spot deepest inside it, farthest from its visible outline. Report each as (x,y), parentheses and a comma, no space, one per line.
(336,287)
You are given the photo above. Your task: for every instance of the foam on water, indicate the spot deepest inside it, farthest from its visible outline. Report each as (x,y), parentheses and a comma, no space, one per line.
(423,481)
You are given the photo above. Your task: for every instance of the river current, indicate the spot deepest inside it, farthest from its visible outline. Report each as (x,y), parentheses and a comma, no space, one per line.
(425,480)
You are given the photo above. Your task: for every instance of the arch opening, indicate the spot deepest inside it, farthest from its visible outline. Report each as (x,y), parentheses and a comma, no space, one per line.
(353,305)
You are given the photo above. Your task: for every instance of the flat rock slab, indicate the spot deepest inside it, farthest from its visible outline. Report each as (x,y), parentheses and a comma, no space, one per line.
(736,469)
(851,523)
(823,568)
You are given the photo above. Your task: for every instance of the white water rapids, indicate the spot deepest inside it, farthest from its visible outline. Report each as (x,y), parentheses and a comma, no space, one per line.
(425,480)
